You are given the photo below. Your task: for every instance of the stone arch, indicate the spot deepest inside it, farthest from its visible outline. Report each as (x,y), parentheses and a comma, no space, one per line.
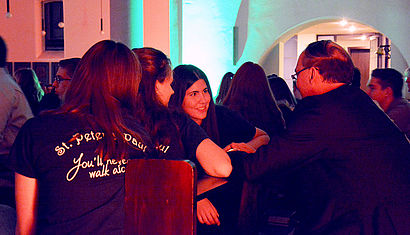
(291,15)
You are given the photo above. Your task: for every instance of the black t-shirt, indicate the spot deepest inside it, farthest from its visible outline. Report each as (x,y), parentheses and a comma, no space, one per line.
(78,192)
(232,127)
(186,137)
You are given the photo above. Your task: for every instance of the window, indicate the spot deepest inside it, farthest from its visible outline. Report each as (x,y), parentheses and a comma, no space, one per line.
(53,25)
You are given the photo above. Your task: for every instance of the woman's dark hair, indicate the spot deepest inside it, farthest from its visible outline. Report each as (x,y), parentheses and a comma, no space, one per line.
(153,114)
(251,96)
(104,85)
(184,77)
(224,87)
(28,81)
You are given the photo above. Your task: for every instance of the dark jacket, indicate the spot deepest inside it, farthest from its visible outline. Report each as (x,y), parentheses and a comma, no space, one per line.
(349,162)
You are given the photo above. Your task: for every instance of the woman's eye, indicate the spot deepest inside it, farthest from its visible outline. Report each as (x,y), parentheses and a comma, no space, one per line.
(206,90)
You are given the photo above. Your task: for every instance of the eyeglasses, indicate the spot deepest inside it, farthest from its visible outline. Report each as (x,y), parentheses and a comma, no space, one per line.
(59,79)
(295,76)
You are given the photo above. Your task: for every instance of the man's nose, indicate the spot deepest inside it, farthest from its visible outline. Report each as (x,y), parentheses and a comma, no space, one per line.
(55,84)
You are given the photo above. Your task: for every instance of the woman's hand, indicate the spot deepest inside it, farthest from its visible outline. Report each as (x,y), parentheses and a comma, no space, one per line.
(206,212)
(244,147)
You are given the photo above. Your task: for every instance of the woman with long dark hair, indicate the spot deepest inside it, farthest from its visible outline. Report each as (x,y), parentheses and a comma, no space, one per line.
(28,81)
(70,163)
(224,87)
(174,134)
(251,96)
(226,128)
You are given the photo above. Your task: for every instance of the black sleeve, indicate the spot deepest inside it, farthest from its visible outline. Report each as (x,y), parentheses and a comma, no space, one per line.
(21,156)
(233,127)
(302,143)
(191,134)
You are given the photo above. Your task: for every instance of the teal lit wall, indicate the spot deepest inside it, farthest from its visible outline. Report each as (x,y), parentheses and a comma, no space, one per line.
(136,18)
(207,37)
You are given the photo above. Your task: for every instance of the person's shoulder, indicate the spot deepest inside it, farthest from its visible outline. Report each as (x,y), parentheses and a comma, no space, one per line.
(222,110)
(400,108)
(51,119)
(8,85)
(180,118)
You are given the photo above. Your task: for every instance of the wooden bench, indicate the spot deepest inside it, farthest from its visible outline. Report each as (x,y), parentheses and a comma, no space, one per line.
(160,197)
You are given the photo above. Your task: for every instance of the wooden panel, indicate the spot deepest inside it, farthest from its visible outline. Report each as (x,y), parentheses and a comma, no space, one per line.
(160,197)
(9,67)
(42,71)
(54,68)
(361,60)
(21,65)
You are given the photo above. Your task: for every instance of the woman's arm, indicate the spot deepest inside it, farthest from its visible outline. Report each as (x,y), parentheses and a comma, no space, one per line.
(260,138)
(26,204)
(207,213)
(213,159)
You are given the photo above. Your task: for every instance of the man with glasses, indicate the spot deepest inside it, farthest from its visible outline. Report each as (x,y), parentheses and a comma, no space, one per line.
(61,82)
(349,164)
(64,74)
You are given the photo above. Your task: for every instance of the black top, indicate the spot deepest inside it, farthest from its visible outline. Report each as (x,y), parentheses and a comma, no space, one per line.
(186,137)
(350,164)
(78,192)
(232,127)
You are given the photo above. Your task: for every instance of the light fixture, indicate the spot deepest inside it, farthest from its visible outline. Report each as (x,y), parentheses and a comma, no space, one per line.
(8,13)
(343,22)
(384,50)
(363,37)
(352,28)
(101,19)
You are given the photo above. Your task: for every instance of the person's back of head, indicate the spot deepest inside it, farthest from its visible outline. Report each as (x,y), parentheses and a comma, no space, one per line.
(249,93)
(156,66)
(29,84)
(332,61)
(224,87)
(69,65)
(153,112)
(389,77)
(3,53)
(105,84)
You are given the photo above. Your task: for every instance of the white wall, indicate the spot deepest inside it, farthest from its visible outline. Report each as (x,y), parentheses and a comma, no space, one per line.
(22,31)
(280,17)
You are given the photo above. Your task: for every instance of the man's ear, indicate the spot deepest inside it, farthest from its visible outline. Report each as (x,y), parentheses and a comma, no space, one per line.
(315,76)
(388,91)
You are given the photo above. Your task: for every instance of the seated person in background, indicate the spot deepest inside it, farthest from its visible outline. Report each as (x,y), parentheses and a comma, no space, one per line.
(251,96)
(385,87)
(61,83)
(226,128)
(70,163)
(349,161)
(28,81)
(284,97)
(175,135)
(224,87)
(357,76)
